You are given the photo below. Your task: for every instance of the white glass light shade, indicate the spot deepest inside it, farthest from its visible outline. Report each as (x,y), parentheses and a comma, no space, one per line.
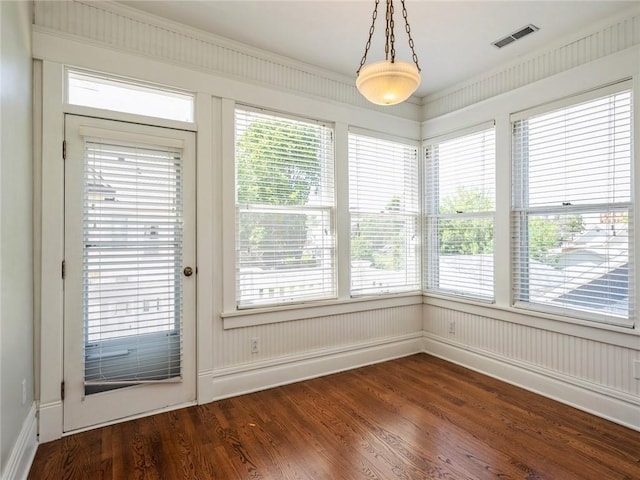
(386,83)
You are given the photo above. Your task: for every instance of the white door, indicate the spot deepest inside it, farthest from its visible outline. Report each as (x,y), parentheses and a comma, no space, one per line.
(129,280)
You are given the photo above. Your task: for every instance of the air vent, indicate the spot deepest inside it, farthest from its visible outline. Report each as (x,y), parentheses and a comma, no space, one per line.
(523,32)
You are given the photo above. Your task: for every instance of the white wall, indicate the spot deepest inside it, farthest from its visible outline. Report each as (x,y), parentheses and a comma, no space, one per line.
(16,266)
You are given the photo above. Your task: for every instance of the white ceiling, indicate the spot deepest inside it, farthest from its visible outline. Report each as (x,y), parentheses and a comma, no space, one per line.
(452,38)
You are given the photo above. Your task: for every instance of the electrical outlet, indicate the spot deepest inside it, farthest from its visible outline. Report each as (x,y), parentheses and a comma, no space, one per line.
(452,327)
(636,369)
(255,345)
(24,391)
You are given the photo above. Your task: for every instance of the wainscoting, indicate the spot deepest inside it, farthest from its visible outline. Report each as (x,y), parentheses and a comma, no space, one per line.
(594,376)
(301,349)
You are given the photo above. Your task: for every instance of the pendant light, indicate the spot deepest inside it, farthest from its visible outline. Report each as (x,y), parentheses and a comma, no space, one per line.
(388,82)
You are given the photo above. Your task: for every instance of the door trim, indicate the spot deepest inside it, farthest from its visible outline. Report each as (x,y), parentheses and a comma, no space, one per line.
(80,411)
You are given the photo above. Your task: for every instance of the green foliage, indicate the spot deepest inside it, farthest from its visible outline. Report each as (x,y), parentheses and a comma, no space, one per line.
(548,233)
(543,236)
(465,201)
(276,165)
(466,236)
(381,239)
(470,236)
(361,242)
(474,236)
(570,226)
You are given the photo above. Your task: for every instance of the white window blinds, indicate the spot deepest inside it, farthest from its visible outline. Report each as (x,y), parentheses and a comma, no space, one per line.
(132,260)
(572,209)
(285,240)
(460,206)
(384,208)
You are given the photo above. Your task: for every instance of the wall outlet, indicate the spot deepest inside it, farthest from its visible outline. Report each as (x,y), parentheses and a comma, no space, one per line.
(452,327)
(255,345)
(24,391)
(636,369)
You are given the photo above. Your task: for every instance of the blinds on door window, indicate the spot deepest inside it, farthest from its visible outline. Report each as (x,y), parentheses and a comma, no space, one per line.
(460,207)
(572,207)
(384,209)
(132,259)
(285,240)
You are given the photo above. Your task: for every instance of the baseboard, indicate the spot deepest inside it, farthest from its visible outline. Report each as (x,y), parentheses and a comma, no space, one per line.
(50,421)
(608,404)
(24,450)
(248,378)
(241,379)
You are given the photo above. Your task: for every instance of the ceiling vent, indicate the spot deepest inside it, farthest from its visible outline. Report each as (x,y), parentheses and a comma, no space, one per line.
(523,32)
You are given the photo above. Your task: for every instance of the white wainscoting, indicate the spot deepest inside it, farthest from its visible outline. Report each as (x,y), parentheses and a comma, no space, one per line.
(232,381)
(283,339)
(24,450)
(594,376)
(299,349)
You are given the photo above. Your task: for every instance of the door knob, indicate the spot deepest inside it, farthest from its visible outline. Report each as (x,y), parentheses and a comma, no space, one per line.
(188,271)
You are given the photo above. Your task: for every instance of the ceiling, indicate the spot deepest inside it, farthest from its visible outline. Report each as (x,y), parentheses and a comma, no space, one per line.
(452,39)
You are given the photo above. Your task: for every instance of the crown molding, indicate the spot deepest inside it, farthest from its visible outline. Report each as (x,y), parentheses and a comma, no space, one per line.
(605,38)
(124,28)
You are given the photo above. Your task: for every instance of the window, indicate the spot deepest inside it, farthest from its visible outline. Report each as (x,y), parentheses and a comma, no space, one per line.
(572,208)
(131,254)
(384,209)
(460,205)
(97,91)
(285,239)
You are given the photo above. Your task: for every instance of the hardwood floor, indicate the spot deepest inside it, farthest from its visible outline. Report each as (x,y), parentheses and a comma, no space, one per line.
(413,418)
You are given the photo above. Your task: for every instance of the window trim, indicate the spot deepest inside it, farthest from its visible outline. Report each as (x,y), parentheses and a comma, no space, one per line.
(517,210)
(133,84)
(415,216)
(430,185)
(329,209)
(579,97)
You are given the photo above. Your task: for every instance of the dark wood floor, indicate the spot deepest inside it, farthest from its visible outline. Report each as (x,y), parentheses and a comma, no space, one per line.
(413,418)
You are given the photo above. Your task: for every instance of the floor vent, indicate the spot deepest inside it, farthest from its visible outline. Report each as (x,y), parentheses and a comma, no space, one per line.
(523,32)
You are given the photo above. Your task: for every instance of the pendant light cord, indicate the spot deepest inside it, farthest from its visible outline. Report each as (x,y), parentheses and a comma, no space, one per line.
(407,29)
(371,30)
(390,39)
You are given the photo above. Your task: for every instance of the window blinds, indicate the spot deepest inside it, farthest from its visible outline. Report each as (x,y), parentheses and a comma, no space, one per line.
(285,238)
(571,215)
(460,206)
(132,259)
(384,209)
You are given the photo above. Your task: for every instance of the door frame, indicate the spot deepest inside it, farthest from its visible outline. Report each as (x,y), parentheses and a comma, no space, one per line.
(49,109)
(84,411)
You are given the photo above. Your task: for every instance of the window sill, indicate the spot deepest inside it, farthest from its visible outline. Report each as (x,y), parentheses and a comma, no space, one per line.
(287,313)
(625,337)
(615,335)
